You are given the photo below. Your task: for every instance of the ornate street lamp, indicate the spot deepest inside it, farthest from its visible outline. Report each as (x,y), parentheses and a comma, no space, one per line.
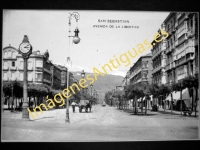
(76,40)
(25,49)
(83,76)
(91,88)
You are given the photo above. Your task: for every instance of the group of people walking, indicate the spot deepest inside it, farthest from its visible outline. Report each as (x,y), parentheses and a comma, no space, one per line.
(86,108)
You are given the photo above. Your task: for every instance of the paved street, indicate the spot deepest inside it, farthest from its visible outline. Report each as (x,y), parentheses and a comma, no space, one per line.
(103,124)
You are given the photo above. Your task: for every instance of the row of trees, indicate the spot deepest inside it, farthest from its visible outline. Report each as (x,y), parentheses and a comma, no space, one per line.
(145,90)
(37,93)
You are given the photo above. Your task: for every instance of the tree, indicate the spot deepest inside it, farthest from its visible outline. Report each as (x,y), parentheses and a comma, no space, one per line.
(179,87)
(164,91)
(154,88)
(192,82)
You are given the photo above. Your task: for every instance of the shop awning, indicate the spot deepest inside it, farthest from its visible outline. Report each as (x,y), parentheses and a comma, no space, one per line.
(176,95)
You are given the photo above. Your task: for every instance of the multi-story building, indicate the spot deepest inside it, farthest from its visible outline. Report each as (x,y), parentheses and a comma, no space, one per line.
(63,75)
(56,77)
(126,80)
(141,71)
(176,57)
(182,46)
(158,61)
(40,69)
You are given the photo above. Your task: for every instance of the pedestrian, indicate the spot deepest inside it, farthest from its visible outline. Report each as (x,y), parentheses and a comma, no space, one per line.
(73,106)
(90,106)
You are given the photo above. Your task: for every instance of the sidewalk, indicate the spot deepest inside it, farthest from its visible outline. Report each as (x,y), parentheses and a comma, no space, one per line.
(54,115)
(161,112)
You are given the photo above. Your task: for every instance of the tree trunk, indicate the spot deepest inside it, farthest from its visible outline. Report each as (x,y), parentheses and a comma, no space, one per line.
(171,101)
(16,104)
(146,106)
(142,105)
(181,101)
(196,89)
(192,97)
(164,103)
(35,101)
(136,105)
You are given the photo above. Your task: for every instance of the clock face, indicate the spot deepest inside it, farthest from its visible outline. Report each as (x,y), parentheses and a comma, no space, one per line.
(25,47)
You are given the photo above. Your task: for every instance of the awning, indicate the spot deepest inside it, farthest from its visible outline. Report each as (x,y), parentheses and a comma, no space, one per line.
(176,95)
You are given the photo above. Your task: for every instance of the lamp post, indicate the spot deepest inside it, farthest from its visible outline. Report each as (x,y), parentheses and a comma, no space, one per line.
(83,76)
(76,40)
(25,49)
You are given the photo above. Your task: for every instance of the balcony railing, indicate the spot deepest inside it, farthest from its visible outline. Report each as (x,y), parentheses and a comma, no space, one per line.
(190,33)
(189,50)
(179,15)
(167,67)
(48,71)
(48,81)
(13,68)
(181,30)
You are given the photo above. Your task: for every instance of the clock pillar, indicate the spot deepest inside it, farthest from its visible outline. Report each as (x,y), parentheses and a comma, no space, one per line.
(25,55)
(25,113)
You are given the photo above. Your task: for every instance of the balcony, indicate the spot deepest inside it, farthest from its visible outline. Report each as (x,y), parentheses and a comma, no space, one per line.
(173,46)
(48,71)
(38,79)
(179,15)
(167,50)
(176,43)
(189,50)
(190,33)
(176,25)
(144,79)
(173,29)
(172,65)
(13,68)
(182,30)
(167,67)
(47,81)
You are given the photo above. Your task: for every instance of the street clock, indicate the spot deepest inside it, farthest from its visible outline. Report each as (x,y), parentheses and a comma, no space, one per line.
(25,48)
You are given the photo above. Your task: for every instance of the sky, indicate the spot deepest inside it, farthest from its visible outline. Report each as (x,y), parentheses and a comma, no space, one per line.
(49,30)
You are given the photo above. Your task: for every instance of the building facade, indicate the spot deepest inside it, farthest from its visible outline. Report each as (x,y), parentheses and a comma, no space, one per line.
(40,70)
(141,71)
(176,57)
(182,46)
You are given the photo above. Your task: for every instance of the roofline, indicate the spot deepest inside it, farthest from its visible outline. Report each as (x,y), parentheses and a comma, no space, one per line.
(10,47)
(171,14)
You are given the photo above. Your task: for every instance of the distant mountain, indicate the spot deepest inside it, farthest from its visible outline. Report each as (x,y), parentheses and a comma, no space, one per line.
(103,83)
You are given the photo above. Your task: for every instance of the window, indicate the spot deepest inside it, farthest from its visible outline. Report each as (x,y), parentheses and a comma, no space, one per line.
(13,76)
(39,63)
(30,66)
(21,76)
(5,64)
(38,76)
(30,78)
(13,55)
(21,64)
(5,76)
(9,54)
(5,54)
(13,64)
